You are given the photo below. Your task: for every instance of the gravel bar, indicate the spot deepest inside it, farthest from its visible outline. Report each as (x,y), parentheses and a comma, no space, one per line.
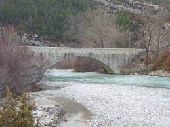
(121,106)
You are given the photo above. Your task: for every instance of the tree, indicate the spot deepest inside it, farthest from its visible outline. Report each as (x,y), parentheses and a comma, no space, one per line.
(148,36)
(96,28)
(155,35)
(18,67)
(163,34)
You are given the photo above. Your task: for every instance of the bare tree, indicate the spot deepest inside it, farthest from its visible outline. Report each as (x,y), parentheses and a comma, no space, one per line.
(18,67)
(97,28)
(163,34)
(147,32)
(155,35)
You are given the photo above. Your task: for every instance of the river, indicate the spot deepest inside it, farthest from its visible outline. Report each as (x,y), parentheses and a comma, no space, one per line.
(102,100)
(96,78)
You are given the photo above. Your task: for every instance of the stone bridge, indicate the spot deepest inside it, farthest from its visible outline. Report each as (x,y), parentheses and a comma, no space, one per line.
(113,59)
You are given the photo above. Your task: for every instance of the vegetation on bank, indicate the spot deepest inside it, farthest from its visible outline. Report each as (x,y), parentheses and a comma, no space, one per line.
(19,68)
(16,111)
(163,62)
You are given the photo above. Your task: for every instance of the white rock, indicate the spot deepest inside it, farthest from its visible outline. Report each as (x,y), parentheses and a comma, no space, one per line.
(47,113)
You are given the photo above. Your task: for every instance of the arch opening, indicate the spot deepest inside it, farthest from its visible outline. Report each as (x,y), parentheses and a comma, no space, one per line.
(83,64)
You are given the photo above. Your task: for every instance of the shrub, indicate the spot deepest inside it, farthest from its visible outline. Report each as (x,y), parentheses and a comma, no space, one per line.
(18,67)
(16,112)
(163,62)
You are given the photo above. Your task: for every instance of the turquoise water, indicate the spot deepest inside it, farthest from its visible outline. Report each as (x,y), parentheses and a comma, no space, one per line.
(96,78)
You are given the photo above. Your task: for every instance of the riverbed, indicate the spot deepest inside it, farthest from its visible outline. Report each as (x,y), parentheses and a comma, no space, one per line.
(110,100)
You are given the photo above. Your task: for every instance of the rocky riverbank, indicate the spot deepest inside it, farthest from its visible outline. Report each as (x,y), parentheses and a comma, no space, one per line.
(142,69)
(160,73)
(47,113)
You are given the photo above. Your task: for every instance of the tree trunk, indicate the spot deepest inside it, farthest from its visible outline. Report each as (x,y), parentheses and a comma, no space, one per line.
(129,34)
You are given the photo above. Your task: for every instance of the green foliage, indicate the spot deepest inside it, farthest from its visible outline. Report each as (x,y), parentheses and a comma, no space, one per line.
(125,22)
(44,17)
(16,112)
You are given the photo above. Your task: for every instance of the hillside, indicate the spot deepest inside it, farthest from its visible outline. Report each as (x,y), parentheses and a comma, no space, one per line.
(87,23)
